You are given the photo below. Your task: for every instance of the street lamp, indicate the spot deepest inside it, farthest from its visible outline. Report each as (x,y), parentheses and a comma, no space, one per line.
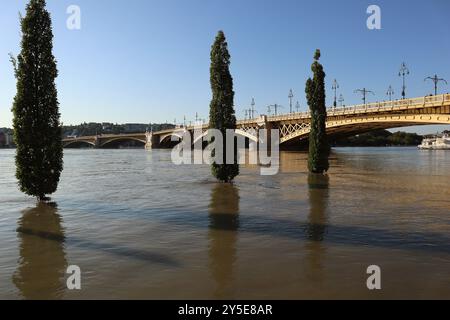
(404,71)
(390,92)
(335,86)
(364,92)
(252,110)
(341,99)
(275,106)
(436,81)
(290,96)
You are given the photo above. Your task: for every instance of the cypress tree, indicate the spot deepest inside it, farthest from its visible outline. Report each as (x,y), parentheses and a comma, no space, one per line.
(319,148)
(37,129)
(222,115)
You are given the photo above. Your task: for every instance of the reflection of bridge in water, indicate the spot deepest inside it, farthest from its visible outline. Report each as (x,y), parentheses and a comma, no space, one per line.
(295,127)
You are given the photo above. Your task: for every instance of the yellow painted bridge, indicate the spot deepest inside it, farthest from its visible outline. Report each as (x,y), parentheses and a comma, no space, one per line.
(294,127)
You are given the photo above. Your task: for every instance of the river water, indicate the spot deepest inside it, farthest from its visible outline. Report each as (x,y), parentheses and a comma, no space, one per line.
(140,227)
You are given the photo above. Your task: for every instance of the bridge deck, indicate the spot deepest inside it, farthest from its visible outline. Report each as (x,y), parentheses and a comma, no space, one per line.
(379,108)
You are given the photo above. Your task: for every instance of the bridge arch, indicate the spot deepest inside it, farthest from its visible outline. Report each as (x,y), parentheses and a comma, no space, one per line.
(363,124)
(237,132)
(121,139)
(169,136)
(165,141)
(78,142)
(247,134)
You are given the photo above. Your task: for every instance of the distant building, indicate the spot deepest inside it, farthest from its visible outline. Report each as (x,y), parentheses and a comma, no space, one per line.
(107,127)
(6,139)
(135,127)
(2,139)
(9,140)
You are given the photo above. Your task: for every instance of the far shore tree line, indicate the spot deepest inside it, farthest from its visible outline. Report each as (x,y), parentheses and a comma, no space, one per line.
(379,138)
(38,130)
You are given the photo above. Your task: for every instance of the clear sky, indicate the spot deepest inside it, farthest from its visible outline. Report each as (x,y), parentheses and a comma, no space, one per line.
(148,60)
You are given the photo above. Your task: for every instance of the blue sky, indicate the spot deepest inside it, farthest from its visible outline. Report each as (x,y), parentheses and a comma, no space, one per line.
(148,61)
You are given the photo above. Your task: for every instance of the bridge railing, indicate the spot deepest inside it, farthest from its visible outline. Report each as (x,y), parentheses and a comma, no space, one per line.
(372,107)
(381,106)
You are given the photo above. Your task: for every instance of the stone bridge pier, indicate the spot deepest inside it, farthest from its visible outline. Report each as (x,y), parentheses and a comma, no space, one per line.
(152,141)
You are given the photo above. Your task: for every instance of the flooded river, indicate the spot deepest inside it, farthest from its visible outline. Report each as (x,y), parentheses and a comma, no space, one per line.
(140,227)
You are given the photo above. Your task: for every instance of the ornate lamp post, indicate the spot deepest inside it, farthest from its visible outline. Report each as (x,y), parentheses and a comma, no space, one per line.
(252,110)
(390,92)
(404,71)
(364,92)
(436,81)
(290,96)
(335,86)
(341,99)
(275,107)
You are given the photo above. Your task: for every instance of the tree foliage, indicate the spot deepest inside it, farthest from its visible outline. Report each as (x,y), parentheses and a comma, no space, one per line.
(380,138)
(37,129)
(222,115)
(319,148)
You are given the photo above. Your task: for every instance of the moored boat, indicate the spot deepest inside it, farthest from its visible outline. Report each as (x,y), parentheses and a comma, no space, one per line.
(436,143)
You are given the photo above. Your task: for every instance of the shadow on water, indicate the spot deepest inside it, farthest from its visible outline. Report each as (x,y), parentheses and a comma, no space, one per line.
(42,265)
(146,256)
(41,270)
(223,227)
(316,226)
(427,241)
(316,229)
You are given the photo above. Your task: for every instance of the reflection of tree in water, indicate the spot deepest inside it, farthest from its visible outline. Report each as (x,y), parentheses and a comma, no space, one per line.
(42,264)
(224,223)
(316,227)
(318,202)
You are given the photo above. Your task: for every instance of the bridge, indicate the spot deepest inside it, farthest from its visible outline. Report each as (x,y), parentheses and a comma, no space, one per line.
(295,127)
(104,140)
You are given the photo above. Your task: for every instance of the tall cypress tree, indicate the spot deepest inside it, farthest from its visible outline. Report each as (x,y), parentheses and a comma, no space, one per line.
(319,148)
(222,114)
(37,129)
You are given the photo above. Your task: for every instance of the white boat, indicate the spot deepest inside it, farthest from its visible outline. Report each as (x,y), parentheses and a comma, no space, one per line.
(437,143)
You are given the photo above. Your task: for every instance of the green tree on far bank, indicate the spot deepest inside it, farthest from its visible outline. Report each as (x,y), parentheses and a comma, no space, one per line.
(405,139)
(222,114)
(319,148)
(380,138)
(37,128)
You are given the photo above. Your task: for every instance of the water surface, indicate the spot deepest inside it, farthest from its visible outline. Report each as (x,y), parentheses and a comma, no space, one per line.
(140,227)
